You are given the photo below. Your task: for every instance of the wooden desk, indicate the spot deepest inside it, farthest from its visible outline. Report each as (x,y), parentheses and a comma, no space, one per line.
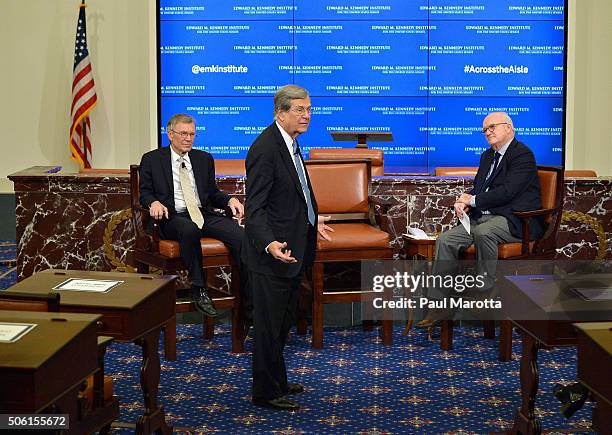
(48,365)
(422,249)
(419,248)
(545,298)
(594,364)
(134,312)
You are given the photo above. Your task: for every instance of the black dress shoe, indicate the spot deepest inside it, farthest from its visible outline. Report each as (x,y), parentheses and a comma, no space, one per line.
(202,301)
(279,403)
(295,388)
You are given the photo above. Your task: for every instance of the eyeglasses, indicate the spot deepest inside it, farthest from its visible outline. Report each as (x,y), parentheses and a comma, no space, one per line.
(185,134)
(301,110)
(491,127)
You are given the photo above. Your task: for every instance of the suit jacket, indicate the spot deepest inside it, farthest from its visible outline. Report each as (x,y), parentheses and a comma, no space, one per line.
(514,186)
(156,180)
(275,207)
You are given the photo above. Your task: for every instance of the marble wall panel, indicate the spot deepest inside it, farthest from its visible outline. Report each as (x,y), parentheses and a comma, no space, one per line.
(81,221)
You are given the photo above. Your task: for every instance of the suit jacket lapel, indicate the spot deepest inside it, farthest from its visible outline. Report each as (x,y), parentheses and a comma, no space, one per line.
(288,161)
(166,164)
(504,160)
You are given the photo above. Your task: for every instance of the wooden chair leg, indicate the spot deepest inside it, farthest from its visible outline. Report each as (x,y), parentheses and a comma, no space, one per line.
(446,335)
(505,340)
(170,339)
(489,328)
(209,327)
(387,332)
(317,306)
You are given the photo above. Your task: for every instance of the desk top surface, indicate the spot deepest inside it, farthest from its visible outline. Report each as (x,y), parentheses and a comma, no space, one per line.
(134,289)
(548,297)
(50,335)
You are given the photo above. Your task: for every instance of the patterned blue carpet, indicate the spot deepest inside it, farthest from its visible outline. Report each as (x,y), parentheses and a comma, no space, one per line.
(353,386)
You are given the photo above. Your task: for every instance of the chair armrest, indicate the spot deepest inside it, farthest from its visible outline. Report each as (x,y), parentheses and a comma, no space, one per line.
(146,241)
(384,204)
(381,219)
(533,213)
(524,216)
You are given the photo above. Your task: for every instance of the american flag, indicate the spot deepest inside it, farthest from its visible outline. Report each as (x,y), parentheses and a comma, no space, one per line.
(84,96)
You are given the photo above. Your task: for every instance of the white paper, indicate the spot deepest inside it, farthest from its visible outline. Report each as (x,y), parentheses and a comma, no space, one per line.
(594,293)
(418,233)
(11,332)
(88,285)
(465,221)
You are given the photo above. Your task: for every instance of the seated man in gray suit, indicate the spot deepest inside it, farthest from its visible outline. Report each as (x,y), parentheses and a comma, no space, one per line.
(177,185)
(506,181)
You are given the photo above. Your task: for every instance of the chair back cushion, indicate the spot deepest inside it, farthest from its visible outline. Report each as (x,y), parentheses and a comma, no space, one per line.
(376,156)
(580,173)
(229,167)
(340,187)
(456,171)
(548,187)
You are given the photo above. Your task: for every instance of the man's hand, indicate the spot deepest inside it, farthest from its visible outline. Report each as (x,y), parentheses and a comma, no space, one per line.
(322,228)
(279,251)
(460,209)
(236,207)
(158,211)
(465,198)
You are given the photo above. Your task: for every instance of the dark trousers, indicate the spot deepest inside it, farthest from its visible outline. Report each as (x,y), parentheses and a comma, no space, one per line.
(182,229)
(274,311)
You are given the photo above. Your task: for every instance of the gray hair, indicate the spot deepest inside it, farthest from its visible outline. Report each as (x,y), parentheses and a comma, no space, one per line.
(505,117)
(284,96)
(179,118)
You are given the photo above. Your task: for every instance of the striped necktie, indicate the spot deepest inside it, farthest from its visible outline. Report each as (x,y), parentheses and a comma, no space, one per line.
(300,171)
(189,195)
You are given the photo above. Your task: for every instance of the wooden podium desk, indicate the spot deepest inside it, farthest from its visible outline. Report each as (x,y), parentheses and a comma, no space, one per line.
(594,364)
(48,365)
(133,311)
(545,311)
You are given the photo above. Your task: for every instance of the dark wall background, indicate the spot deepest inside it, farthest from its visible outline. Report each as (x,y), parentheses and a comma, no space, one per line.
(7,216)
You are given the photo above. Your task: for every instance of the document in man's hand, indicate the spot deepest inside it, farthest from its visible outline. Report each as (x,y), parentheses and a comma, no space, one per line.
(465,221)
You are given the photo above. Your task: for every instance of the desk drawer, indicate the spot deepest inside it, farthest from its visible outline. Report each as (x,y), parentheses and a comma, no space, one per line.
(111,324)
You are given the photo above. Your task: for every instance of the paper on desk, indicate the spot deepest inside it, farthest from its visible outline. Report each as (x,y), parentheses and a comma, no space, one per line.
(88,285)
(465,221)
(11,332)
(418,233)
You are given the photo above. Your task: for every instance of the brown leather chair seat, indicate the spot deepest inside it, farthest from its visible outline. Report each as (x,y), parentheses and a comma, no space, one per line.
(171,249)
(505,250)
(354,236)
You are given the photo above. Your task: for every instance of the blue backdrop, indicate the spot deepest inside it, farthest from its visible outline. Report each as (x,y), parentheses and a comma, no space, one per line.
(426,70)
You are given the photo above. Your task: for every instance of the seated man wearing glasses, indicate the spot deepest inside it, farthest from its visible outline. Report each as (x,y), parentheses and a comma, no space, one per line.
(506,181)
(177,185)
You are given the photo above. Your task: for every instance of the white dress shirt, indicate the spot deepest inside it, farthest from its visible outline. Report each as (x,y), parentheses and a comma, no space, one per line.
(179,201)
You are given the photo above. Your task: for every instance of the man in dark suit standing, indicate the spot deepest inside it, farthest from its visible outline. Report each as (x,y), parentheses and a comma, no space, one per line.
(177,185)
(506,181)
(279,243)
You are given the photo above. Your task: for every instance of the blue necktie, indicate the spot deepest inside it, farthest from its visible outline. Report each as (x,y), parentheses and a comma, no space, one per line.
(496,158)
(302,177)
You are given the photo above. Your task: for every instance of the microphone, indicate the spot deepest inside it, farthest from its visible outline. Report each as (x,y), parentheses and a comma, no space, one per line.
(183,165)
